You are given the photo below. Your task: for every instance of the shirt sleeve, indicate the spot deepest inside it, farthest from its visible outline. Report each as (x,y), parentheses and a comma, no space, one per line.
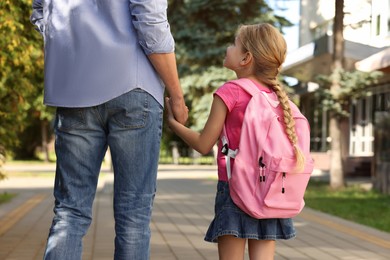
(150,20)
(36,17)
(229,93)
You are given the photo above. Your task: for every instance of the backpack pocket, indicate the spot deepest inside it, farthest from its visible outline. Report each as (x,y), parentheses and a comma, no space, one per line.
(285,190)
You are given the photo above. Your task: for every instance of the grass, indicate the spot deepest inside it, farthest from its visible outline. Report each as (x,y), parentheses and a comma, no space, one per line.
(204,160)
(353,203)
(31,174)
(40,174)
(5,197)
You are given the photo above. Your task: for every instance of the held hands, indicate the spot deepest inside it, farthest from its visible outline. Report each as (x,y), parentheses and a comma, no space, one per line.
(168,108)
(176,112)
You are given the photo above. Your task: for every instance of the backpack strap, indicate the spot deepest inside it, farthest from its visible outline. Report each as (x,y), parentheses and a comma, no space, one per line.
(247,85)
(252,89)
(229,153)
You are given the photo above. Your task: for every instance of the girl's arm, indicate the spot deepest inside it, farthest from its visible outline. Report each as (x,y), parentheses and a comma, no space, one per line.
(204,141)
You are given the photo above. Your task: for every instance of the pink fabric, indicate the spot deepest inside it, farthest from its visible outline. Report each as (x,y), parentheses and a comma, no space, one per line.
(236,100)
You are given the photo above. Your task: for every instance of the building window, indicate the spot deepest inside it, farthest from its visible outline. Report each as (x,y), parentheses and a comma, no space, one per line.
(325,28)
(364,112)
(378,25)
(361,127)
(388,24)
(388,18)
(381,102)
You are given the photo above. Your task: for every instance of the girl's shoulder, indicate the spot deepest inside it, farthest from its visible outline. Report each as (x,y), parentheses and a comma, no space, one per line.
(230,88)
(232,95)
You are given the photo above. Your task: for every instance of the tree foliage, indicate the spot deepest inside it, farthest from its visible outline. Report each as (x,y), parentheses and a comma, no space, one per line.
(202,30)
(21,72)
(352,85)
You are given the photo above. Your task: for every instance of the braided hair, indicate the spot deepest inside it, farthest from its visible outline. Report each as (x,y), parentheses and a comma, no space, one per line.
(269,48)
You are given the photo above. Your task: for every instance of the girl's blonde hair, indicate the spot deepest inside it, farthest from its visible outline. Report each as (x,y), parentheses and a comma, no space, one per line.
(268,47)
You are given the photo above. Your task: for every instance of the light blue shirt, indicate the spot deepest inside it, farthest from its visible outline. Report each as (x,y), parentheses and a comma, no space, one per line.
(96,50)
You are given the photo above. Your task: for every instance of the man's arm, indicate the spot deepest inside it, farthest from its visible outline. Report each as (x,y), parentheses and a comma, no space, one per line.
(165,65)
(36,17)
(149,18)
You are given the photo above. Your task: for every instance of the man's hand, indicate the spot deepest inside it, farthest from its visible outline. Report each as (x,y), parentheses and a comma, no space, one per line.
(177,109)
(165,65)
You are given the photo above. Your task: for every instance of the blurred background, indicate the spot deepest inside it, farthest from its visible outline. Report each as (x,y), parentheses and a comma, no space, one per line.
(337,70)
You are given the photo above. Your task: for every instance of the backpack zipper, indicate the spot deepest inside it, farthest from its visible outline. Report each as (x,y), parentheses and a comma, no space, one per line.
(262,169)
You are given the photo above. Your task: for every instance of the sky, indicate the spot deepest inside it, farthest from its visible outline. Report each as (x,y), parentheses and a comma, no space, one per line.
(289,9)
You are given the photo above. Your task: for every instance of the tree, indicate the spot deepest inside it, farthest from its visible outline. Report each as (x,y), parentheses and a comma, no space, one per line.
(202,30)
(336,169)
(21,72)
(351,85)
(336,92)
(343,86)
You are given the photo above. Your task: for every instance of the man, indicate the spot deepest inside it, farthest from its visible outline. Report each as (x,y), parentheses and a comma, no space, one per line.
(106,64)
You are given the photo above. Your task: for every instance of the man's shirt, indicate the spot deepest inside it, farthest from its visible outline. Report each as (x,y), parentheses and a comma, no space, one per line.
(96,50)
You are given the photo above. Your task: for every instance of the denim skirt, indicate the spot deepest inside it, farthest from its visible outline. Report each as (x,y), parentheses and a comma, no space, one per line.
(230,220)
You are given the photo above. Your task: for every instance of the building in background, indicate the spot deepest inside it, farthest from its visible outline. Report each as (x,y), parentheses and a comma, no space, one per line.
(367,41)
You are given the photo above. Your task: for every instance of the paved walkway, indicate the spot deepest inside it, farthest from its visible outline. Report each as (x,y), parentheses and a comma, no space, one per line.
(182,212)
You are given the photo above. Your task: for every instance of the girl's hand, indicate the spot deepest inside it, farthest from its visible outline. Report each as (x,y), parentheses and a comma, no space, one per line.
(204,141)
(170,115)
(179,109)
(168,107)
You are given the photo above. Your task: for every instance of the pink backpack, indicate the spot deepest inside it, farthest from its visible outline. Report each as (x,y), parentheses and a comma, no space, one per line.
(263,182)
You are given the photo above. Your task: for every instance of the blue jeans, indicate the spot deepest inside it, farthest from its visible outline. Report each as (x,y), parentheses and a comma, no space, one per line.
(131,125)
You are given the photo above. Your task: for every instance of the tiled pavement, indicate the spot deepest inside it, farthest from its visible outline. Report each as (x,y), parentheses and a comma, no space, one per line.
(182,212)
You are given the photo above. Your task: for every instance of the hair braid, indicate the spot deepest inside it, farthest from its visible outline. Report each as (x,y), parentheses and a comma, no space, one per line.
(290,125)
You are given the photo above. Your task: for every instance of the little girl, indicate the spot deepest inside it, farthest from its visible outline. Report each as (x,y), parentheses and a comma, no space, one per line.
(257,54)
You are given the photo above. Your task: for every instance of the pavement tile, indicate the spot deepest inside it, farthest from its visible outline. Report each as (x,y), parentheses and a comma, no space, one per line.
(183,209)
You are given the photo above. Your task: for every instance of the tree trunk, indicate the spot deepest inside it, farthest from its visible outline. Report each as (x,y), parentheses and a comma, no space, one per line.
(336,169)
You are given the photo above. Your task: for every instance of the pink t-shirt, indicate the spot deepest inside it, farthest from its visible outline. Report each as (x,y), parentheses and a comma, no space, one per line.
(236,99)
